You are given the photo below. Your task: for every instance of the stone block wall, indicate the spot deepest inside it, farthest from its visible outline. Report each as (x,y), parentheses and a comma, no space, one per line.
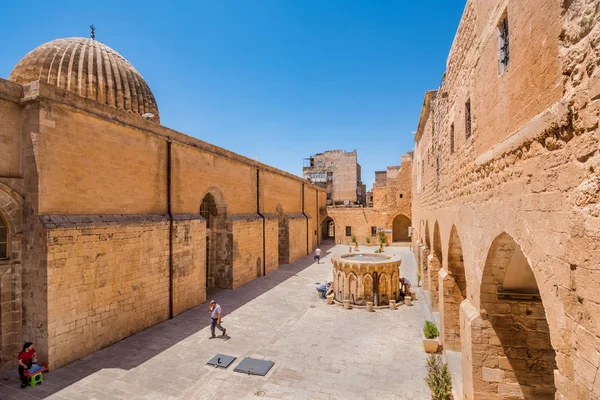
(11,312)
(106,281)
(247,249)
(297,236)
(360,220)
(529,171)
(189,262)
(449,300)
(10,130)
(271,243)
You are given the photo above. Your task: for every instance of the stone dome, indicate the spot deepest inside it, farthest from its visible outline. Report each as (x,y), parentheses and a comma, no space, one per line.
(90,69)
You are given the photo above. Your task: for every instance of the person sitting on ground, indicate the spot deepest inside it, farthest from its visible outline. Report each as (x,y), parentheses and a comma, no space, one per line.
(405,286)
(26,358)
(322,289)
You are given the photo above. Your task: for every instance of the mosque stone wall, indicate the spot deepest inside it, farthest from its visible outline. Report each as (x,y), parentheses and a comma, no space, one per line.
(106,281)
(93,251)
(248,249)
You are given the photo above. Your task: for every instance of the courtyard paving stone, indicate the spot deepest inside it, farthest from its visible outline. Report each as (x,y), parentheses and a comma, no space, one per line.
(320,351)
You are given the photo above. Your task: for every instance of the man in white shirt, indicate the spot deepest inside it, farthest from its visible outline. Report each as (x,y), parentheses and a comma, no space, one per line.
(318,255)
(215,314)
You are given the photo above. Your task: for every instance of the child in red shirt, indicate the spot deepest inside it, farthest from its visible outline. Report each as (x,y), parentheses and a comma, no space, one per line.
(26,358)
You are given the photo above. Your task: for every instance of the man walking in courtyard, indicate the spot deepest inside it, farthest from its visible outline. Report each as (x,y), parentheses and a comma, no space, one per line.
(318,255)
(215,314)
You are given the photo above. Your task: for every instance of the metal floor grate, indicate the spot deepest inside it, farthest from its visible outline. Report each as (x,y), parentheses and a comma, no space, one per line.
(221,361)
(252,366)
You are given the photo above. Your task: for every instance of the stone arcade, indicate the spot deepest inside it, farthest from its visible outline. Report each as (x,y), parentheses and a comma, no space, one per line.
(505,199)
(111,223)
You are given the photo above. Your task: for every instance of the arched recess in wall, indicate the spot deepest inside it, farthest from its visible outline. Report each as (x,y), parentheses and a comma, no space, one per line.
(11,213)
(517,339)
(401,228)
(219,241)
(283,235)
(328,228)
(383,291)
(11,316)
(454,292)
(437,243)
(435,264)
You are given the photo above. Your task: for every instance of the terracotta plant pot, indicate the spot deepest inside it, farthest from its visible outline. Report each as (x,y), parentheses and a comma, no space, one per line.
(392,304)
(347,305)
(370,306)
(431,345)
(408,301)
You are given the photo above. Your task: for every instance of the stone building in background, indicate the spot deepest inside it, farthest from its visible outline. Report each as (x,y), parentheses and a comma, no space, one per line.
(338,172)
(111,223)
(505,200)
(391,211)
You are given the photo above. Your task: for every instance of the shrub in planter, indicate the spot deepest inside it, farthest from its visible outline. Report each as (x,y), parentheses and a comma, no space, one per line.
(430,330)
(438,378)
(430,337)
(382,240)
(368,241)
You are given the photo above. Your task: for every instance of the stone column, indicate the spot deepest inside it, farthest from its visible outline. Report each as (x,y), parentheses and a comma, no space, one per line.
(433,269)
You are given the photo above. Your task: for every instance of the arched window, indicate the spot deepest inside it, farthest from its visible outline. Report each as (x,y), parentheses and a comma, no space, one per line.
(3,239)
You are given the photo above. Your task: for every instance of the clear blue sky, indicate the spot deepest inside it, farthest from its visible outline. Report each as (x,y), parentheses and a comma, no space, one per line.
(276,80)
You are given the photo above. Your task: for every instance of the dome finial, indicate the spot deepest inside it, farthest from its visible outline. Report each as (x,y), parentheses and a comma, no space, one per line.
(93,28)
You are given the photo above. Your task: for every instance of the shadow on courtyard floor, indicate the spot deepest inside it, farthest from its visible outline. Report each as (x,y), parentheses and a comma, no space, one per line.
(139,348)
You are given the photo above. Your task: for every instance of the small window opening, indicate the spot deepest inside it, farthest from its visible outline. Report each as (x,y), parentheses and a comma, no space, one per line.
(373,231)
(348,231)
(503,45)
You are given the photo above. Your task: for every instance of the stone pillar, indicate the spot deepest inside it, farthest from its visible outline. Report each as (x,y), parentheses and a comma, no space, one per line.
(449,307)
(433,269)
(423,267)
(469,317)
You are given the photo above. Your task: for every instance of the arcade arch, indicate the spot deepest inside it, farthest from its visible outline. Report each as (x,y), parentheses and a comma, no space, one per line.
(515,330)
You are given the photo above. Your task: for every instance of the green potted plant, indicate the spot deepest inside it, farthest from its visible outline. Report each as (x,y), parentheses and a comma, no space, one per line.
(353,238)
(438,378)
(368,241)
(382,241)
(430,337)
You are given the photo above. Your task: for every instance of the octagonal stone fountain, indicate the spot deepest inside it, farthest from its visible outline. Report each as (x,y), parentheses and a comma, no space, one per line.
(362,278)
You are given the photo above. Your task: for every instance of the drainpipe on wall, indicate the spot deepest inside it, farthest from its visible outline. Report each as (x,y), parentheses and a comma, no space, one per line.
(264,261)
(170,214)
(305,217)
(317,222)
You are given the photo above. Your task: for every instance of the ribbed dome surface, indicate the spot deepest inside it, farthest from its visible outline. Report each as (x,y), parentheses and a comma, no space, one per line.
(90,69)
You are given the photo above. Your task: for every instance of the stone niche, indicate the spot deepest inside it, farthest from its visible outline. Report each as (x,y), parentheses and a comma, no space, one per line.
(366,277)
